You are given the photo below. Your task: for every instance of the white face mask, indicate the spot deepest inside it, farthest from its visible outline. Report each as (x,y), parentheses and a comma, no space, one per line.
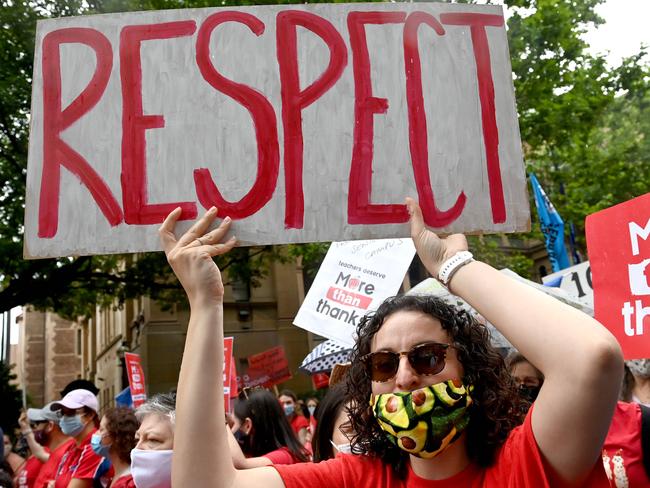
(151,469)
(342,448)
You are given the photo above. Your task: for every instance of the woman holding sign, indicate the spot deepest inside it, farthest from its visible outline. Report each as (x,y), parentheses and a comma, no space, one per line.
(432,401)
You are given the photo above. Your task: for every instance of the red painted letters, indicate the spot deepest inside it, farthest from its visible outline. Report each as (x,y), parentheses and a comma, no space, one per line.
(477,23)
(266,129)
(137,210)
(57,153)
(360,210)
(294,100)
(418,123)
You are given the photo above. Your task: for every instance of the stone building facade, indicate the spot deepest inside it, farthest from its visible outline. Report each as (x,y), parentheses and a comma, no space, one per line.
(49,356)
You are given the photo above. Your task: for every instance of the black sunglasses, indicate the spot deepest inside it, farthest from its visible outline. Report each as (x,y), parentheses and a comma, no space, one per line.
(426,359)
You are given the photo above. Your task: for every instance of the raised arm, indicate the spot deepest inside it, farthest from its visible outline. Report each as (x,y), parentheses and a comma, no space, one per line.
(580,359)
(35,448)
(201,452)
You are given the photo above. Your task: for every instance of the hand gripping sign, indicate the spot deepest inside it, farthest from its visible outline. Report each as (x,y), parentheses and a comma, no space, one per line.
(303,123)
(618,241)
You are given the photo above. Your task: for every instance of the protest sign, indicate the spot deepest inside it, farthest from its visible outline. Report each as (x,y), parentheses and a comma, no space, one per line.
(268,368)
(136,378)
(303,123)
(576,281)
(320,380)
(618,242)
(227,370)
(355,278)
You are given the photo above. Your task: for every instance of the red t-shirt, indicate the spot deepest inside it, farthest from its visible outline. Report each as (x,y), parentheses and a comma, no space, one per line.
(48,470)
(622,452)
(298,422)
(125,481)
(78,462)
(28,473)
(281,456)
(518,464)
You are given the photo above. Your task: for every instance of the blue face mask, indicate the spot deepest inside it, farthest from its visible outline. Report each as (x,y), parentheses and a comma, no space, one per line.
(288,410)
(71,426)
(97,446)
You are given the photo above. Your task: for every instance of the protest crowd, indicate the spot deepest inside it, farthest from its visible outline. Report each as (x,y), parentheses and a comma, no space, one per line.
(426,400)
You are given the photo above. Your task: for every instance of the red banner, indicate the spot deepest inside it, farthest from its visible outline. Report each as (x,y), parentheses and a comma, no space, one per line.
(320,380)
(227,371)
(268,368)
(618,241)
(136,378)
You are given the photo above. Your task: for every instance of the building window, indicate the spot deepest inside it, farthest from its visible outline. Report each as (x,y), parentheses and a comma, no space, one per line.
(77,346)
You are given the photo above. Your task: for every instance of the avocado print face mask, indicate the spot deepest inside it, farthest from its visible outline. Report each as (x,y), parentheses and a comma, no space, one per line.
(424,422)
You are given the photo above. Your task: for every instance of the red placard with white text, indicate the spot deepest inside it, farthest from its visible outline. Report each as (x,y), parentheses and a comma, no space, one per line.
(136,378)
(227,370)
(618,241)
(269,367)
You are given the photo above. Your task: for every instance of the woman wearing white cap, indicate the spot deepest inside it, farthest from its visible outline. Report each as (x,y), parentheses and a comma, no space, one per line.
(79,464)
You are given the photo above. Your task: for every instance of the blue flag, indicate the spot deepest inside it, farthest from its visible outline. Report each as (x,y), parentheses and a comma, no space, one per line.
(123,398)
(552,227)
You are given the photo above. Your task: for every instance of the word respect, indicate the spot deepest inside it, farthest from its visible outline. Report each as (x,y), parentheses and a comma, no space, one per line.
(135,208)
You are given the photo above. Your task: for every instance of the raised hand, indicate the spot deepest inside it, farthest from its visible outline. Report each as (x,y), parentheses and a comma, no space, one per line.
(191,256)
(432,250)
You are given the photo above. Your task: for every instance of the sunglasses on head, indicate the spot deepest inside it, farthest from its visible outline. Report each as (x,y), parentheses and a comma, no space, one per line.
(426,359)
(246,391)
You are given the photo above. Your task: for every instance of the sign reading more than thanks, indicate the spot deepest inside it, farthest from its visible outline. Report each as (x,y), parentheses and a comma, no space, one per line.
(618,242)
(303,123)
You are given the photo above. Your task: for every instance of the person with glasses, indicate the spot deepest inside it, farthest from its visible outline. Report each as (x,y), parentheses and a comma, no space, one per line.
(431,401)
(40,426)
(263,433)
(333,431)
(78,418)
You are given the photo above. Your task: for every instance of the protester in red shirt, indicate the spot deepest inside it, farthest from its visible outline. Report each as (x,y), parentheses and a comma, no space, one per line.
(299,423)
(431,401)
(35,426)
(40,427)
(623,454)
(263,432)
(114,440)
(79,464)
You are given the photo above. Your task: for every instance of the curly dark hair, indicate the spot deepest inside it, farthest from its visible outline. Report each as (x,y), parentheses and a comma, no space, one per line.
(122,425)
(496,407)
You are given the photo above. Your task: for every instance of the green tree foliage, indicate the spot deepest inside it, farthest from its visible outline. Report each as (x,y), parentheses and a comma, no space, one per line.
(11,398)
(584,125)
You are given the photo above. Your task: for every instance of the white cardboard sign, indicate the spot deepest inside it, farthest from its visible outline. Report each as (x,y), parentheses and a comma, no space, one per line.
(576,281)
(303,123)
(355,278)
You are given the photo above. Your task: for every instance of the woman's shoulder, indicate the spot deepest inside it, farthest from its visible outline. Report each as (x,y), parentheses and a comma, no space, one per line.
(125,481)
